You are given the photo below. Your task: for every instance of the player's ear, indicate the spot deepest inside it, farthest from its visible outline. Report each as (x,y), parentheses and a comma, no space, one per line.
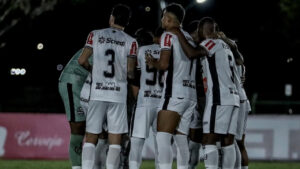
(111,20)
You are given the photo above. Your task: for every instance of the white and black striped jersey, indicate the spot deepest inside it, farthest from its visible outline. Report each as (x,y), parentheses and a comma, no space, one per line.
(111,47)
(151,81)
(219,74)
(241,71)
(180,75)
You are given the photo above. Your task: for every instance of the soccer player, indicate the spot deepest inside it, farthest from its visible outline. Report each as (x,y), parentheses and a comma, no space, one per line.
(179,93)
(149,95)
(245,108)
(195,134)
(102,144)
(71,81)
(222,97)
(114,58)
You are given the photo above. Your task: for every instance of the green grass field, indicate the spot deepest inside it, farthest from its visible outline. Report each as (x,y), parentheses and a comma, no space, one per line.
(48,164)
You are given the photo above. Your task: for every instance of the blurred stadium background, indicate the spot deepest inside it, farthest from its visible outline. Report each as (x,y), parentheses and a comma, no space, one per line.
(37,39)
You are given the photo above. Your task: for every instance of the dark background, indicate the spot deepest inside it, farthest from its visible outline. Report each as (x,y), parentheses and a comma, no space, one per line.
(267,33)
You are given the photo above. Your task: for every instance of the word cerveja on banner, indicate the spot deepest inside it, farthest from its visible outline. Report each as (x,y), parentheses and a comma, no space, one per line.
(26,135)
(46,136)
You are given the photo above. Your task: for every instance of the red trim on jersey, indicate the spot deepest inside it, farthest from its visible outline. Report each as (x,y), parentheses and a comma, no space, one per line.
(210,44)
(205,84)
(90,38)
(168,40)
(133,49)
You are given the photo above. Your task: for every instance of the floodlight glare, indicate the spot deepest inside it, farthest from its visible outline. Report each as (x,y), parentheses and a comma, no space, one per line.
(200,1)
(40,46)
(147,9)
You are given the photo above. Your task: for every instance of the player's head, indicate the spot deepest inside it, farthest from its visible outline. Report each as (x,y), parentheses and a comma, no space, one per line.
(143,37)
(192,29)
(173,15)
(206,27)
(120,15)
(157,34)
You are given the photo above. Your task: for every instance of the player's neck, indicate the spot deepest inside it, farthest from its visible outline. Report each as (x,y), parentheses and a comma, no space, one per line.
(117,27)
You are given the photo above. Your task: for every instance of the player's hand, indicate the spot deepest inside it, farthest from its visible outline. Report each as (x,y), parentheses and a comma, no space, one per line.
(221,35)
(150,60)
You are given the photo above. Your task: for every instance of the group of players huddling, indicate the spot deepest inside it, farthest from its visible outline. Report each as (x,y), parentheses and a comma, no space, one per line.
(188,88)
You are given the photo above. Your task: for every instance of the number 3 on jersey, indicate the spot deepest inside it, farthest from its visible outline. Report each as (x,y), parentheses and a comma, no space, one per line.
(110,53)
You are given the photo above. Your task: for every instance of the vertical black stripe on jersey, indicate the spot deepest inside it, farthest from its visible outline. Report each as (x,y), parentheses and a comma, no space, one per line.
(132,120)
(213,118)
(71,102)
(214,75)
(169,79)
(166,103)
(199,80)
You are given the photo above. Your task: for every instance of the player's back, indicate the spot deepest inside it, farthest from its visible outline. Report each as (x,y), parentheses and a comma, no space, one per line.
(180,75)
(241,71)
(111,47)
(73,72)
(151,81)
(218,73)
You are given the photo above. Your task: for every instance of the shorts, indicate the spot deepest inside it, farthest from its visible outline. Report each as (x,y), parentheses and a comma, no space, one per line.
(70,94)
(184,108)
(143,119)
(85,93)
(220,119)
(244,109)
(113,113)
(196,120)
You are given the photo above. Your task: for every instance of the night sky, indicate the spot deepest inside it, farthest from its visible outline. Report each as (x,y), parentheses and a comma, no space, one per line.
(267,33)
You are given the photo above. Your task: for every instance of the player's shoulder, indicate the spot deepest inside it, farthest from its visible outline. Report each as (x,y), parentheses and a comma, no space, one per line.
(211,44)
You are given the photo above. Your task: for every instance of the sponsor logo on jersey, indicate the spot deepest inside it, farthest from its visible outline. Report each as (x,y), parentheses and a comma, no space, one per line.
(154,94)
(102,40)
(188,83)
(167,41)
(107,86)
(149,51)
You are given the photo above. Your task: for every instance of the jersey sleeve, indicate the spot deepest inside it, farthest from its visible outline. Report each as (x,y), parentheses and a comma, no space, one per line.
(90,40)
(166,41)
(133,49)
(210,45)
(139,58)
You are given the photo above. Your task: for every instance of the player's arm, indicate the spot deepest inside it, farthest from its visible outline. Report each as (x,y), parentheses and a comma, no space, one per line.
(83,58)
(160,64)
(239,59)
(189,50)
(132,61)
(87,52)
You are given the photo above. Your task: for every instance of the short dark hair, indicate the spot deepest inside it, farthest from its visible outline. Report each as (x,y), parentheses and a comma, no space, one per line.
(206,20)
(192,26)
(177,10)
(122,14)
(143,37)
